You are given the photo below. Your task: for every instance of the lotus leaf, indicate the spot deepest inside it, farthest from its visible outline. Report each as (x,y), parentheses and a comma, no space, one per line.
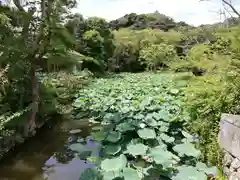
(123,127)
(167,138)
(189,173)
(147,133)
(115,164)
(137,149)
(150,121)
(130,174)
(99,135)
(187,135)
(110,175)
(80,148)
(114,136)
(139,116)
(210,171)
(112,149)
(164,115)
(163,157)
(186,149)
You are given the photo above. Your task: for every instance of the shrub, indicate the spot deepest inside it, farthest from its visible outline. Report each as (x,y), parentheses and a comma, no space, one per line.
(155,56)
(206,101)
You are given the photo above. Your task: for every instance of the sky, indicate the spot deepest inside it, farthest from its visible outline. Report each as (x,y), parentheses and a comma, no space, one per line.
(190,11)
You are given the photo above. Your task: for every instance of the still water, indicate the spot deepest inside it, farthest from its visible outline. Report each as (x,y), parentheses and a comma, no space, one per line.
(47,156)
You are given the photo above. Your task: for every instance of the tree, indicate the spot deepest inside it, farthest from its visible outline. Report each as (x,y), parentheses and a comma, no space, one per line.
(30,31)
(228,3)
(157,55)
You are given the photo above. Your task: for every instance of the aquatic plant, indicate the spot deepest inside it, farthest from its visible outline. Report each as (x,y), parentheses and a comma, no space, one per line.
(142,131)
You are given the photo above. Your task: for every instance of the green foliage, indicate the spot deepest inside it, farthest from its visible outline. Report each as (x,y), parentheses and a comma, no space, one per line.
(215,93)
(94,39)
(206,103)
(130,43)
(155,56)
(142,118)
(154,20)
(58,91)
(26,49)
(94,44)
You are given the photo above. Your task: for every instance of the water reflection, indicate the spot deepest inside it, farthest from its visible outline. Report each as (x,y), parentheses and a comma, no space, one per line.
(48,157)
(54,170)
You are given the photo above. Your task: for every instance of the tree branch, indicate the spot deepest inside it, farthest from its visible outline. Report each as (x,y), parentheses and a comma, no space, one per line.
(232,7)
(18,5)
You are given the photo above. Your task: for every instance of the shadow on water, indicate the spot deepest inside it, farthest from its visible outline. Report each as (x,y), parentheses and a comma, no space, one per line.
(47,155)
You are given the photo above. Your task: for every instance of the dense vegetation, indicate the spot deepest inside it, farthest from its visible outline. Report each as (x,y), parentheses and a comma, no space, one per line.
(142,132)
(48,54)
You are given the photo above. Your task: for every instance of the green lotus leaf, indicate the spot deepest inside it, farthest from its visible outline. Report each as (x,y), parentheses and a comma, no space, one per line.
(94,159)
(167,138)
(108,116)
(130,174)
(139,116)
(137,149)
(147,133)
(114,164)
(210,171)
(112,149)
(161,143)
(80,148)
(110,175)
(186,149)
(99,135)
(189,173)
(163,128)
(151,122)
(123,127)
(186,135)
(164,115)
(163,157)
(114,136)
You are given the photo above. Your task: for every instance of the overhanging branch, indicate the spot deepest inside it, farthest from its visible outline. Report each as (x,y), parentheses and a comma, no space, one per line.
(232,7)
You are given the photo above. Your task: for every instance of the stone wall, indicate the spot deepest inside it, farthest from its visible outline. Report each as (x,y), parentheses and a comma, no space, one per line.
(229,140)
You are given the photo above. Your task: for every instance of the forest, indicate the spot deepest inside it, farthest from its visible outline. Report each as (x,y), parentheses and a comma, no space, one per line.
(154,88)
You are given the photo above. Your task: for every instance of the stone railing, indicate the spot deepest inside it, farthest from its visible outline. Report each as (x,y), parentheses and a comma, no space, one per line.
(229,140)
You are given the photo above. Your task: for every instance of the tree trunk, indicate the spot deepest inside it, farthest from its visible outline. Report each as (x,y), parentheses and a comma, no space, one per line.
(31,124)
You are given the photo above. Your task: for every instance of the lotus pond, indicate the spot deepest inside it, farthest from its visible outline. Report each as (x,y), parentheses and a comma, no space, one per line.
(141,128)
(137,132)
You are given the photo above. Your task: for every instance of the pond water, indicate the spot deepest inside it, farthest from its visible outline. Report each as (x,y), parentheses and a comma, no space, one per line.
(47,155)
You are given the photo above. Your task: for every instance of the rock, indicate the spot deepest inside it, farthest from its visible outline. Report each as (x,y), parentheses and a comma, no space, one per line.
(235,164)
(235,176)
(228,158)
(226,171)
(229,135)
(75,131)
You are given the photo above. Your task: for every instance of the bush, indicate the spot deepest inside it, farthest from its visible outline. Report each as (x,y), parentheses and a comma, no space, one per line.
(206,101)
(214,93)
(157,56)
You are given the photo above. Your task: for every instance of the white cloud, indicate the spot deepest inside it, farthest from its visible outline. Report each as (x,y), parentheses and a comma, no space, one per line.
(190,11)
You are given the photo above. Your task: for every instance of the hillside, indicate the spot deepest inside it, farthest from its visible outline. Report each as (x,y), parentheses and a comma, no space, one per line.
(142,21)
